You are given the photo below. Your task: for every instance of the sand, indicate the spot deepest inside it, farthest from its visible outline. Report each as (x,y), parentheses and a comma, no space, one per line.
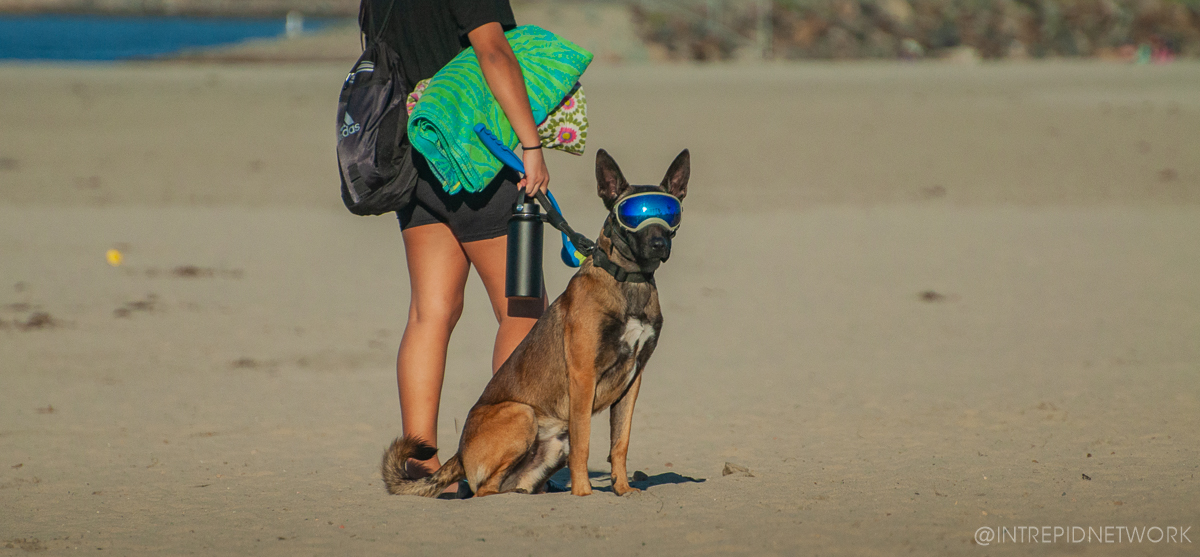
(913,300)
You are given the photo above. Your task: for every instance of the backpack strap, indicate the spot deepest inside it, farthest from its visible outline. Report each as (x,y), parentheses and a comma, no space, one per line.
(366,23)
(358,188)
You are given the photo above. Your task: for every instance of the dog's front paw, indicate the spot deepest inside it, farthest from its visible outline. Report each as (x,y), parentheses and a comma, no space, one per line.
(581,490)
(626,489)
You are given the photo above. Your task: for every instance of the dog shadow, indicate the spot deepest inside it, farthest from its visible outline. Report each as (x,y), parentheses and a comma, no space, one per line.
(663,479)
(563,477)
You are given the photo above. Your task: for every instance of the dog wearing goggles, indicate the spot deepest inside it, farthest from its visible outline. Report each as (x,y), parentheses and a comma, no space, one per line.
(586,354)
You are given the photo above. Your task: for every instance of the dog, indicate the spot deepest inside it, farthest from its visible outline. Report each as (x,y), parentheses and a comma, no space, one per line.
(587,353)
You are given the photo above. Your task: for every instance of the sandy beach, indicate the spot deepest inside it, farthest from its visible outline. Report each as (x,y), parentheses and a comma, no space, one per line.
(913,300)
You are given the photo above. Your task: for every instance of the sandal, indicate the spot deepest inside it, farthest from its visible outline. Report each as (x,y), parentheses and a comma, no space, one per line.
(555,487)
(463,492)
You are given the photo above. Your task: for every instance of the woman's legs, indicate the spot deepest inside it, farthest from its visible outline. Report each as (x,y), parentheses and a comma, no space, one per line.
(437,269)
(490,258)
(438,266)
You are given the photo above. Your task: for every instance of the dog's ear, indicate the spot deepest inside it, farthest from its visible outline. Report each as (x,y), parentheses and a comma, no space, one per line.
(610,183)
(676,180)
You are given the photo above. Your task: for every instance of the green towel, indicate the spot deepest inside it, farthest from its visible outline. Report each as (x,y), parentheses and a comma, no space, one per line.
(442,123)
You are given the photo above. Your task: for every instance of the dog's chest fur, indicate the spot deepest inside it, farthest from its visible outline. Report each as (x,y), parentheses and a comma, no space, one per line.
(628,338)
(637,332)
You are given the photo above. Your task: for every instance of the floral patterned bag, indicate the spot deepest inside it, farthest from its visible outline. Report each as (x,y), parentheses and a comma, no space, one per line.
(565,128)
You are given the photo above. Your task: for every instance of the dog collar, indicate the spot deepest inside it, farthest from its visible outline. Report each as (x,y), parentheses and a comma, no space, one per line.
(601,260)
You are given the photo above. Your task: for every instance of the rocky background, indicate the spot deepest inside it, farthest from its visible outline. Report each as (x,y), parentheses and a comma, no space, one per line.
(1142,30)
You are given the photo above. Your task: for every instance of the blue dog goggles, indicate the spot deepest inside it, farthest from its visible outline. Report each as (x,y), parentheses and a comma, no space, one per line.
(644,209)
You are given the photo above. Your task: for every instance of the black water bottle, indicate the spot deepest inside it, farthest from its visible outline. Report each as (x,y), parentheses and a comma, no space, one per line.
(523,278)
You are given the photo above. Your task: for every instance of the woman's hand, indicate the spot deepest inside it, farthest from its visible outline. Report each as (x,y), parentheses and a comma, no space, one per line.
(504,78)
(537,178)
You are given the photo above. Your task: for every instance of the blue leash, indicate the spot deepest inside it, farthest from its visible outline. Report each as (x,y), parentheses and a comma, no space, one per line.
(571,255)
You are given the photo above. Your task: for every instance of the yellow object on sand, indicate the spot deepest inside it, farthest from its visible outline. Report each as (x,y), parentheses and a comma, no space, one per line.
(114,257)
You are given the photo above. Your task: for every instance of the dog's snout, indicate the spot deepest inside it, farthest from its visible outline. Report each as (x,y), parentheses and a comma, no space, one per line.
(659,248)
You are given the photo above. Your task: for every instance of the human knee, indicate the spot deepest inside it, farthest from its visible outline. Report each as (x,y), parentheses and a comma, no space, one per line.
(436,312)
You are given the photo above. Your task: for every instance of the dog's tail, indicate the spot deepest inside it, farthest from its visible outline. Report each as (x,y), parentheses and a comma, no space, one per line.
(397,479)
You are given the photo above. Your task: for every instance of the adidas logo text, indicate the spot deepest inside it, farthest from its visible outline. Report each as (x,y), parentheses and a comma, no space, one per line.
(350,127)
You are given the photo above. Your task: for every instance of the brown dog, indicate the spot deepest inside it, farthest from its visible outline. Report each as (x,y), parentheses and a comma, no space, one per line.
(586,353)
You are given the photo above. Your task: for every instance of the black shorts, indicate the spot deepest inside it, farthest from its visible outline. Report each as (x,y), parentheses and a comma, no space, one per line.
(482,215)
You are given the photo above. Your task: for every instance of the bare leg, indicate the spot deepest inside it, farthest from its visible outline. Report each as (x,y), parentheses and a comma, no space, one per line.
(437,269)
(490,259)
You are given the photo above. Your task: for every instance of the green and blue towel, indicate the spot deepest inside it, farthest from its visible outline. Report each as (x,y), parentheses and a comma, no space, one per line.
(441,126)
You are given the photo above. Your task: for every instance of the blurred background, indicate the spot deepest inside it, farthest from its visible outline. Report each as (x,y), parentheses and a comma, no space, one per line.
(637,30)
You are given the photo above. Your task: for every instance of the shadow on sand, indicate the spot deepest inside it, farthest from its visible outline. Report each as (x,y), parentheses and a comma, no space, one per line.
(561,481)
(563,477)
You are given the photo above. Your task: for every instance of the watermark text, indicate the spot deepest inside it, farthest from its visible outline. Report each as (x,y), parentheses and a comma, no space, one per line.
(987,535)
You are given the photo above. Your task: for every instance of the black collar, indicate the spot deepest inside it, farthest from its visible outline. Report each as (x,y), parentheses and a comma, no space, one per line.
(601,260)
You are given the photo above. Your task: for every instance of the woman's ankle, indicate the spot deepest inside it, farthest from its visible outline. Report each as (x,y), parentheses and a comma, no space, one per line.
(418,469)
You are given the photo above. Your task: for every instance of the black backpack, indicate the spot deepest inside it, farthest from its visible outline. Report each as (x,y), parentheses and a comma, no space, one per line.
(374,155)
